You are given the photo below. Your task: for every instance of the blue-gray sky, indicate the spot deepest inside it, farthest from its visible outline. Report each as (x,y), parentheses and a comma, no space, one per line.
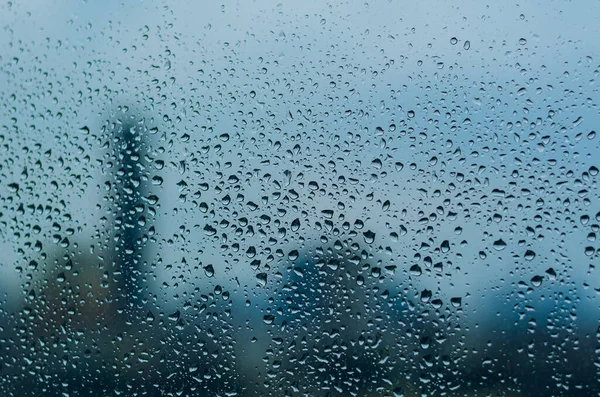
(83,59)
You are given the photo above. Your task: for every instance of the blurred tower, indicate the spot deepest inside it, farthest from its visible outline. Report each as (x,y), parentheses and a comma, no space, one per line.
(127,192)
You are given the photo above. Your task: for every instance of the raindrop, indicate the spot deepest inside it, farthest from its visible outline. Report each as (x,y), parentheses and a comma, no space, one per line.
(456,302)
(209,270)
(426,295)
(536,281)
(369,237)
(529,255)
(262,279)
(386,205)
(499,245)
(295,226)
(268,319)
(415,270)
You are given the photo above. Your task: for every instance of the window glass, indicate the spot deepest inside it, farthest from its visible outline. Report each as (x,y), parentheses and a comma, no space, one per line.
(299,198)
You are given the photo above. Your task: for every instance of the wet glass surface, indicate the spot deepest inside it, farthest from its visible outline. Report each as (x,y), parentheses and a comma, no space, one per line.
(299,199)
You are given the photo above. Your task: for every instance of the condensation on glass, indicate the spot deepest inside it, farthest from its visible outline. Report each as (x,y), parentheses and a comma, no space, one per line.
(299,199)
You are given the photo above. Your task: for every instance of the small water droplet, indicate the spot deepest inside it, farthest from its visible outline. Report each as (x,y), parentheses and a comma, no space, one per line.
(456,302)
(369,237)
(426,295)
(536,281)
(269,319)
(209,270)
(499,245)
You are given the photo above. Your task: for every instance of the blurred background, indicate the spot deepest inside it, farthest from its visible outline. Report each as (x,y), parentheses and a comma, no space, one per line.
(299,199)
